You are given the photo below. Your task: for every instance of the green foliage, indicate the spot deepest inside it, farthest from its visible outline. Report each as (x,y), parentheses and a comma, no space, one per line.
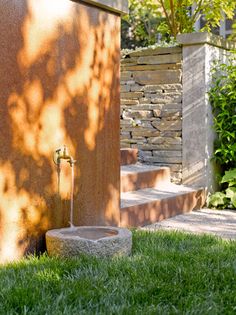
(231,195)
(217,200)
(223,101)
(181,15)
(226,198)
(150,18)
(140,27)
(230,177)
(233,35)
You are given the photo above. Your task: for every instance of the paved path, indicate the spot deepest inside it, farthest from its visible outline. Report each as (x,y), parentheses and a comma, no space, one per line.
(221,223)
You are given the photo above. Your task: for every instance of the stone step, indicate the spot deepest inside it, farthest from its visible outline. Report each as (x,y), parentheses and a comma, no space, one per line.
(128,156)
(140,176)
(151,205)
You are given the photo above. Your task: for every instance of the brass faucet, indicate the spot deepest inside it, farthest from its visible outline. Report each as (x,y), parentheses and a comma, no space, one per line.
(63,154)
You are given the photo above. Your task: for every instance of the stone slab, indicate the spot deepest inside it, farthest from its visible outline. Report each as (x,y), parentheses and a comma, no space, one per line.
(155,51)
(137,114)
(151,66)
(157,77)
(160,59)
(146,133)
(151,205)
(140,176)
(205,38)
(131,95)
(167,153)
(125,88)
(164,160)
(151,194)
(129,102)
(162,87)
(167,140)
(163,125)
(160,147)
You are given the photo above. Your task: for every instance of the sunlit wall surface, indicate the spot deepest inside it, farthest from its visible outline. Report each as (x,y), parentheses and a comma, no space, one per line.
(59,84)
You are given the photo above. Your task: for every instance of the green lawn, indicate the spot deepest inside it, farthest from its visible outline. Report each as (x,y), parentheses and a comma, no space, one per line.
(168,273)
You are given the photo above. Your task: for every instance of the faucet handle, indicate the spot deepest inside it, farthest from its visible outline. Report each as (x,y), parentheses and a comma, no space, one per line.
(58,151)
(65,150)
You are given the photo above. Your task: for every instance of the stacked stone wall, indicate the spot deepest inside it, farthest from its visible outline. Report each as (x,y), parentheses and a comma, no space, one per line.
(151,106)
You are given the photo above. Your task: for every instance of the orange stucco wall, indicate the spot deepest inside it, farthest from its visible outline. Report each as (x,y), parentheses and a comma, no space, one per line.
(59,84)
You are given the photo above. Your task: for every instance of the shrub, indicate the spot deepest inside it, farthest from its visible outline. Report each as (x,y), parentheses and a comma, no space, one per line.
(223,101)
(227,198)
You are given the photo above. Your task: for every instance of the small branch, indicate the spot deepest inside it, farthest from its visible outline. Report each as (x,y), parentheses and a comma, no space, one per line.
(172,15)
(197,11)
(167,17)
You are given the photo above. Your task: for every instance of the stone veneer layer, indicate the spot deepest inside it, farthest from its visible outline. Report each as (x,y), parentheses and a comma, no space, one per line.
(151,94)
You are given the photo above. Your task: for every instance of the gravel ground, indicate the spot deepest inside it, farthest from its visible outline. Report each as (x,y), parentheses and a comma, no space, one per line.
(221,223)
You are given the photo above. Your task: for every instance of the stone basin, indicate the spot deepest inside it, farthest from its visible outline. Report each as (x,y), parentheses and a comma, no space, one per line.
(100,241)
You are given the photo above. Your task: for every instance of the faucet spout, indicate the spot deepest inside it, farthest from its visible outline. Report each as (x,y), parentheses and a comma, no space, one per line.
(71,161)
(63,154)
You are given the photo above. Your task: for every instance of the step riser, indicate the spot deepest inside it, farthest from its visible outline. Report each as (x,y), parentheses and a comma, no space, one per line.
(128,156)
(149,179)
(154,211)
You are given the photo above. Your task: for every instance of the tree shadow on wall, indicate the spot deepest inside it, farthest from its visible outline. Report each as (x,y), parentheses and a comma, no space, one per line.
(59,85)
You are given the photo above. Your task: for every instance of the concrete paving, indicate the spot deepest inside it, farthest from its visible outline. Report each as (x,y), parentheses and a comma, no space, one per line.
(221,223)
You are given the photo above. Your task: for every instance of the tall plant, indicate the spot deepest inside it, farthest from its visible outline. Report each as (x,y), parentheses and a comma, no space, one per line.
(181,15)
(140,27)
(223,101)
(148,18)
